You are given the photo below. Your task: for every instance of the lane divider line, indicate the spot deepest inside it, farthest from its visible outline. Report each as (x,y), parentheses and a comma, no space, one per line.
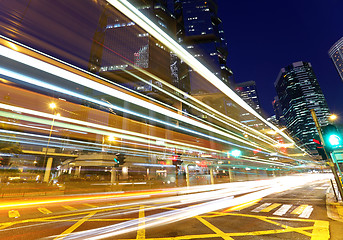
(141,224)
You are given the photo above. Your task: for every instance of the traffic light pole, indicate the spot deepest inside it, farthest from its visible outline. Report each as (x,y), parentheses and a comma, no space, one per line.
(331,163)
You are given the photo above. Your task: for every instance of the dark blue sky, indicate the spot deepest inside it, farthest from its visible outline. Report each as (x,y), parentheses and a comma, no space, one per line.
(264,36)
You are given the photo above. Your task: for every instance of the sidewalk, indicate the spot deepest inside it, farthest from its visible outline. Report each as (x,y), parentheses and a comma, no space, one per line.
(334,208)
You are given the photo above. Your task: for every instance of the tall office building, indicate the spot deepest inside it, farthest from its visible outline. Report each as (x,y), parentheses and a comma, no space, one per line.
(278,112)
(248,92)
(121,48)
(336,55)
(200,31)
(298,92)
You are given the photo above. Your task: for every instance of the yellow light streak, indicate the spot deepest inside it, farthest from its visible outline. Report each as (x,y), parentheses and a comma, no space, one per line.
(243,205)
(135,15)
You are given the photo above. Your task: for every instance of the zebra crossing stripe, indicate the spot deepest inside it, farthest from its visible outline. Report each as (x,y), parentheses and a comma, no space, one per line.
(299,209)
(282,210)
(307,212)
(44,210)
(263,206)
(271,207)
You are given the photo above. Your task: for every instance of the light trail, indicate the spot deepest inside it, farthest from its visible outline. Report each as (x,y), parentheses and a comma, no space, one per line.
(65,74)
(168,113)
(214,204)
(136,16)
(243,129)
(105,130)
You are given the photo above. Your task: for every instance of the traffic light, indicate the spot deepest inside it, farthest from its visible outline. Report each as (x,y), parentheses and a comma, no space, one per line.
(236,153)
(119,159)
(320,149)
(177,160)
(332,138)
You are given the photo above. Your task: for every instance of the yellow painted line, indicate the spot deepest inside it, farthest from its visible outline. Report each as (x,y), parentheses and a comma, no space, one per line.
(271,207)
(270,232)
(90,220)
(321,230)
(70,208)
(5,225)
(266,219)
(141,225)
(340,211)
(76,225)
(214,229)
(90,205)
(186,237)
(55,218)
(299,209)
(44,210)
(13,214)
(291,229)
(242,206)
(274,218)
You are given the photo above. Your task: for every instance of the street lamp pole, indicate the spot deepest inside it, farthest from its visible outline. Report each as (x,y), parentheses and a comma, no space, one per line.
(328,156)
(48,168)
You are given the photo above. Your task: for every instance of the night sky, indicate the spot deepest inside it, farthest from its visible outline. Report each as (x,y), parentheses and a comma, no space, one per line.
(264,36)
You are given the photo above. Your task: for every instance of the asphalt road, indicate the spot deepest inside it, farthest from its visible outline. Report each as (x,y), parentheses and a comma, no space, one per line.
(234,211)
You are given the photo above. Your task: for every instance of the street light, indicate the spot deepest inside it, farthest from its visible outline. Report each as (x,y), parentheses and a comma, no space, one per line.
(47,168)
(333,117)
(236,153)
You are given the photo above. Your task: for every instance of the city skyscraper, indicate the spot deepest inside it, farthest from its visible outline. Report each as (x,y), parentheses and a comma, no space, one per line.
(199,30)
(120,48)
(278,112)
(248,92)
(336,55)
(298,91)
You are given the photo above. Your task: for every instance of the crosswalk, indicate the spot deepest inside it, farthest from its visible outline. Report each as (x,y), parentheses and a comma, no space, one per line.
(276,209)
(279,209)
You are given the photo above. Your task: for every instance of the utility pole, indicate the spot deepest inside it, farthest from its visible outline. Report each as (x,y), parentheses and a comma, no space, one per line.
(328,155)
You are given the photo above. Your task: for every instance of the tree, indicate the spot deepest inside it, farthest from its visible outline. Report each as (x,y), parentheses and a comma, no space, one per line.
(9,148)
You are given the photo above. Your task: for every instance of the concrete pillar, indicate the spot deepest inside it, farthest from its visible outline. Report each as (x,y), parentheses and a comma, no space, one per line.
(78,171)
(187,175)
(211,173)
(113,175)
(230,175)
(48,169)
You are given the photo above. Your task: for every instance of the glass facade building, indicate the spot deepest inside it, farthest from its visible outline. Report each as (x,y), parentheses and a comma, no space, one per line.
(336,55)
(200,31)
(298,91)
(248,92)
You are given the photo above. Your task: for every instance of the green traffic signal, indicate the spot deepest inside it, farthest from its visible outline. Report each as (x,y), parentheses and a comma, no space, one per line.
(332,137)
(236,153)
(334,140)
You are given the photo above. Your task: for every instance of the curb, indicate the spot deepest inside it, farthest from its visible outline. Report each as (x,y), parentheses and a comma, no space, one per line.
(334,209)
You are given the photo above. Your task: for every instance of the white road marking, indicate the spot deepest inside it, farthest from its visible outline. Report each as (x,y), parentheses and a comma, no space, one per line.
(307,212)
(283,209)
(263,206)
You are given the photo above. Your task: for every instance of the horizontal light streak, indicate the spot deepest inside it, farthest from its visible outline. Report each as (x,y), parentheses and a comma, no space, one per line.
(135,15)
(244,129)
(39,83)
(215,201)
(28,126)
(93,128)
